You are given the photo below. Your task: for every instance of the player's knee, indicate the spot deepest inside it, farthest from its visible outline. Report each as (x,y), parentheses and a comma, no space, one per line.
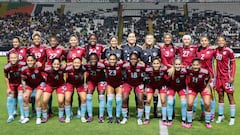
(89,97)
(148,102)
(170,102)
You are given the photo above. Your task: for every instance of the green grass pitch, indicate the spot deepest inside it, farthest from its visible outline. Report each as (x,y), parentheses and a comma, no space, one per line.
(94,128)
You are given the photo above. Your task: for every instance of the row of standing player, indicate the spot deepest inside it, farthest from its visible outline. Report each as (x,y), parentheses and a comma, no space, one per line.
(148,51)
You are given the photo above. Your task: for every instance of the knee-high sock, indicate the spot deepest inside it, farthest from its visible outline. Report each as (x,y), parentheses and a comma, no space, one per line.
(140,113)
(14,105)
(109,104)
(83,110)
(26,112)
(118,104)
(212,106)
(68,111)
(10,104)
(207,117)
(220,109)
(189,116)
(164,113)
(195,103)
(202,105)
(184,109)
(89,105)
(147,112)
(20,101)
(61,112)
(170,108)
(101,105)
(44,113)
(38,112)
(124,112)
(232,110)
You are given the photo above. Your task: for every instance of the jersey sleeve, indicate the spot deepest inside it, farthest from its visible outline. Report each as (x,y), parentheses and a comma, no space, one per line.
(232,64)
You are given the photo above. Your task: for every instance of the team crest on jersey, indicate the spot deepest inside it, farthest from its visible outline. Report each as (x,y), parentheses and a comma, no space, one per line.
(58,51)
(129,70)
(36,71)
(181,76)
(171,50)
(154,54)
(21,51)
(161,74)
(97,47)
(200,76)
(224,53)
(137,70)
(41,50)
(191,49)
(207,52)
(60,72)
(117,68)
(78,51)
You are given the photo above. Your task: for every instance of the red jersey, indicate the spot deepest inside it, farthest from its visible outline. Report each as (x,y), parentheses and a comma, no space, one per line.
(114,73)
(54,78)
(187,54)
(75,76)
(98,49)
(74,53)
(197,80)
(32,76)
(95,73)
(168,55)
(13,72)
(39,52)
(178,82)
(21,51)
(225,63)
(134,74)
(206,55)
(157,78)
(51,53)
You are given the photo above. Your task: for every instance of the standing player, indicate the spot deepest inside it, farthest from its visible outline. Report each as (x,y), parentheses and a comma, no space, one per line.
(177,83)
(157,75)
(75,79)
(133,80)
(17,48)
(12,74)
(198,80)
(54,81)
(112,49)
(93,46)
(32,79)
(206,56)
(96,78)
(114,85)
(226,68)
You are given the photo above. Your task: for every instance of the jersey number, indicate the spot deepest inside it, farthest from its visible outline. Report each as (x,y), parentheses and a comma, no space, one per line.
(112,72)
(134,75)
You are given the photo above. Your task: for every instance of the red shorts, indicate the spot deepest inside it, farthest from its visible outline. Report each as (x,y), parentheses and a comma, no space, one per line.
(152,88)
(115,85)
(101,86)
(127,88)
(59,90)
(171,92)
(70,87)
(224,85)
(41,87)
(15,87)
(203,92)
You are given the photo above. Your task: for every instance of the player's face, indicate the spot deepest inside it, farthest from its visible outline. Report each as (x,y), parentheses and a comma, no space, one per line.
(133,60)
(221,42)
(204,42)
(13,58)
(186,41)
(56,65)
(31,62)
(149,40)
(131,38)
(156,64)
(73,41)
(178,64)
(77,63)
(16,43)
(114,42)
(112,60)
(36,40)
(53,42)
(93,40)
(167,39)
(196,65)
(93,60)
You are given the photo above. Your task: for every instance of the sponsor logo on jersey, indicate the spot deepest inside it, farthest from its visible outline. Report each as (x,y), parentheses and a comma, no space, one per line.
(207,52)
(137,70)
(36,71)
(171,50)
(200,76)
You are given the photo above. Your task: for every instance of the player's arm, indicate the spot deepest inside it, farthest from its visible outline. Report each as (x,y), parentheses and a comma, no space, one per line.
(7,82)
(232,70)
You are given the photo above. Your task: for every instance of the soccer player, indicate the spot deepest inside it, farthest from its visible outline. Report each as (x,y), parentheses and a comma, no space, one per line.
(198,80)
(134,71)
(75,79)
(114,85)
(12,74)
(96,78)
(32,79)
(157,74)
(206,56)
(226,68)
(177,83)
(17,48)
(150,51)
(93,47)
(112,49)
(54,81)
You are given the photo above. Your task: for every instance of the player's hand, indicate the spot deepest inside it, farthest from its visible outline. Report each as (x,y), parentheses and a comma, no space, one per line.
(8,91)
(231,80)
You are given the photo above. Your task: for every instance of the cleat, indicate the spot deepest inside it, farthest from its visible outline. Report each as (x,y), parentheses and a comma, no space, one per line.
(38,121)
(189,125)
(21,119)
(212,117)
(146,122)
(124,121)
(169,123)
(78,114)
(232,122)
(10,119)
(67,120)
(100,119)
(50,115)
(61,119)
(139,121)
(110,120)
(83,119)
(220,119)
(183,124)
(117,120)
(44,120)
(208,125)
(164,123)
(90,119)
(25,120)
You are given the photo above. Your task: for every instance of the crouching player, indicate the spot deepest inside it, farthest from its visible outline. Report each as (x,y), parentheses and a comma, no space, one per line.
(157,74)
(75,79)
(198,80)
(32,79)
(226,68)
(54,80)
(177,83)
(12,75)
